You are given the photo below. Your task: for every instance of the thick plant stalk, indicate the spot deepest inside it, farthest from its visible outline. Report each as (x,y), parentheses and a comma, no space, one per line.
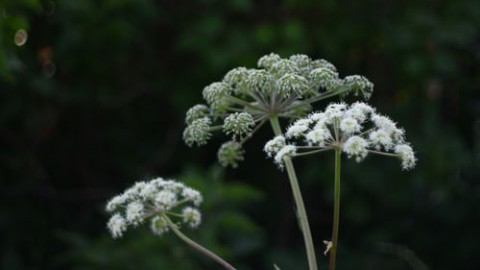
(336,210)
(198,247)
(297,195)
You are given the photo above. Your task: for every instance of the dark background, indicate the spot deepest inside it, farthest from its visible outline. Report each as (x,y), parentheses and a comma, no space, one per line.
(95,99)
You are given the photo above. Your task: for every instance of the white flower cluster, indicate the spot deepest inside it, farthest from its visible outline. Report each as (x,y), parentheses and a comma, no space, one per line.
(284,87)
(156,200)
(356,129)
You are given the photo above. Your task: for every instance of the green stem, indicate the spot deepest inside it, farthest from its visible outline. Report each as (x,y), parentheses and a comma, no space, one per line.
(336,209)
(297,195)
(196,246)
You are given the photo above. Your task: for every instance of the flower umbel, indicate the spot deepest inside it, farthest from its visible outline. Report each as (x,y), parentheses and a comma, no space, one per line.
(280,87)
(157,200)
(356,130)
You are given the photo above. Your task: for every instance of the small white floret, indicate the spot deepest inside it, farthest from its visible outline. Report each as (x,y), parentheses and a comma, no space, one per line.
(384,122)
(380,138)
(165,200)
(274,145)
(406,154)
(115,202)
(298,128)
(286,151)
(318,136)
(192,217)
(356,147)
(117,226)
(192,195)
(349,125)
(159,225)
(134,213)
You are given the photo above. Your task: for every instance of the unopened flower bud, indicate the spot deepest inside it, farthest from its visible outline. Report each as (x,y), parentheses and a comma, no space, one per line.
(322,63)
(267,61)
(359,85)
(291,84)
(198,132)
(324,78)
(230,154)
(238,124)
(196,112)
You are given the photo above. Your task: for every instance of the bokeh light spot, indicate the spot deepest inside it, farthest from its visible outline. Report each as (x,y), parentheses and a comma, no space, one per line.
(21,37)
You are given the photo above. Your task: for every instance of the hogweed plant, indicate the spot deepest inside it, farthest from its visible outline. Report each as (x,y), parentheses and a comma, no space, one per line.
(241,104)
(355,130)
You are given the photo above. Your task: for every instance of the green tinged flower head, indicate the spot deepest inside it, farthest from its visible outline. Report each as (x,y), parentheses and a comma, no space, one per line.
(238,124)
(291,84)
(359,85)
(230,154)
(279,87)
(283,67)
(196,112)
(259,80)
(267,61)
(236,79)
(322,63)
(302,61)
(198,132)
(324,78)
(216,96)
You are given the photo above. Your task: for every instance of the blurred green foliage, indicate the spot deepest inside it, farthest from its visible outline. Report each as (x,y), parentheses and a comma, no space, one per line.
(95,100)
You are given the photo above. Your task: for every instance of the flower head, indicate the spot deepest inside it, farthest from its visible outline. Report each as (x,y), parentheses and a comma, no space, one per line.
(279,87)
(157,200)
(356,130)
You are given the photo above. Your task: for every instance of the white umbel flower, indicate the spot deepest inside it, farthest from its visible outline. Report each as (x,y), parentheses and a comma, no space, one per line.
(349,129)
(407,156)
(157,199)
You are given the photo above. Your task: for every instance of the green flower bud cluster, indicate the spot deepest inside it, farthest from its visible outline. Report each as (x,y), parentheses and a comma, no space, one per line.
(198,132)
(246,98)
(230,154)
(238,124)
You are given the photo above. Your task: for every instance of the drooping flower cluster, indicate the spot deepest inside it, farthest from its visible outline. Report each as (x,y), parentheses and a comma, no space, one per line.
(157,200)
(285,87)
(356,130)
